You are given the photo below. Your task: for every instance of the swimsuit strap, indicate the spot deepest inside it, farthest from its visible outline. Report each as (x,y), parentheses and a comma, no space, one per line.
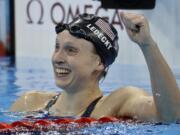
(90,108)
(87,112)
(52,102)
(45,110)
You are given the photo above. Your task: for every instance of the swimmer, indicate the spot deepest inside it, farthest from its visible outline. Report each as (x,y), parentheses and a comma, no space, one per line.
(84,50)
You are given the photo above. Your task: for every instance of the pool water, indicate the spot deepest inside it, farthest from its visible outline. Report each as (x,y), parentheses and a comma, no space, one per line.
(36,74)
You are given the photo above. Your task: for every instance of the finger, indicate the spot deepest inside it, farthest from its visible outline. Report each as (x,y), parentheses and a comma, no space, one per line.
(129,16)
(132,35)
(138,24)
(129,24)
(139,20)
(125,20)
(141,23)
(132,21)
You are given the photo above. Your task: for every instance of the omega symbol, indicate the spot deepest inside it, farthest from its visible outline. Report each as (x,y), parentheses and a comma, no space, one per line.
(30,21)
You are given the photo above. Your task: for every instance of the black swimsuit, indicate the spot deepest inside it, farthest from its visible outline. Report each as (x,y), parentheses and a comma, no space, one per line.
(87,112)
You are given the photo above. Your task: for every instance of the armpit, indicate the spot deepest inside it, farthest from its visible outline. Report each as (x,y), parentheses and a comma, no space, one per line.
(140,107)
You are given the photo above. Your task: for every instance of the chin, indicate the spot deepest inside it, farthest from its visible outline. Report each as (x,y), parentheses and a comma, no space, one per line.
(62,84)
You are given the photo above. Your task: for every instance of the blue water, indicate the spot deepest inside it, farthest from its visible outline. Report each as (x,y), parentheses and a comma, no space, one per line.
(36,74)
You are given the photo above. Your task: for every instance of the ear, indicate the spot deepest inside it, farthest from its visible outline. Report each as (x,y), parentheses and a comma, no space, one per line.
(100,64)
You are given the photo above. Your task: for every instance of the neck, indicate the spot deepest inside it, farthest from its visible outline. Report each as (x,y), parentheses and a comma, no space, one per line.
(76,103)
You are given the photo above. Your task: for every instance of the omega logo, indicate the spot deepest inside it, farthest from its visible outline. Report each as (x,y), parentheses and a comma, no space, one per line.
(28,11)
(67,13)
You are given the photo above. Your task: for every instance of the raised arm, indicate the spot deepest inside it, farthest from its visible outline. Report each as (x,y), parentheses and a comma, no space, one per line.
(166,93)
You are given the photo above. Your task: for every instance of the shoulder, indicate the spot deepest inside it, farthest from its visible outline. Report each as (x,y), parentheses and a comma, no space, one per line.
(39,94)
(134,102)
(32,100)
(120,96)
(127,92)
(111,104)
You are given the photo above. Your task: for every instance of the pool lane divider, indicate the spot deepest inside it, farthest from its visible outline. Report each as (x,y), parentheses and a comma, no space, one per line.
(61,124)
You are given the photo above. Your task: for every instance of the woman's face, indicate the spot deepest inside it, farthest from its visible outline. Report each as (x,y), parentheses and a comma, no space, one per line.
(75,62)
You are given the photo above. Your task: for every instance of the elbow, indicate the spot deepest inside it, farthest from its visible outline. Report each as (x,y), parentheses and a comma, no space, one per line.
(170,117)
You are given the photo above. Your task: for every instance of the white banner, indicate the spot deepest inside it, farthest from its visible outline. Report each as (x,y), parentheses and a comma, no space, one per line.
(36,19)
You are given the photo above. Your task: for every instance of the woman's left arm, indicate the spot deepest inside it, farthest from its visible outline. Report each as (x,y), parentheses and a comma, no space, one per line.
(165,90)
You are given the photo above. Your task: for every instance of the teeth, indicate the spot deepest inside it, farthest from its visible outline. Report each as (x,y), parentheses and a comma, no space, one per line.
(62,71)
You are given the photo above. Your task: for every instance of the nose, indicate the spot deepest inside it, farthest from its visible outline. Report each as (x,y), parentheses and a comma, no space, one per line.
(59,56)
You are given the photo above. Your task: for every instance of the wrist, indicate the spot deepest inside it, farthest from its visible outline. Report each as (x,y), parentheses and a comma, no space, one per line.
(149,43)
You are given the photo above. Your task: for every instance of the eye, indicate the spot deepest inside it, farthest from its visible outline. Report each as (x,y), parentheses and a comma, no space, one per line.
(71,50)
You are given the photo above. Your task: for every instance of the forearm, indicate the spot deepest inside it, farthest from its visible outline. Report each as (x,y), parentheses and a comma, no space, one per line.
(165,90)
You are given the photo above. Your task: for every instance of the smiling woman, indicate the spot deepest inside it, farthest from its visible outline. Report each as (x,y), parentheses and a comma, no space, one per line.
(84,50)
(74,62)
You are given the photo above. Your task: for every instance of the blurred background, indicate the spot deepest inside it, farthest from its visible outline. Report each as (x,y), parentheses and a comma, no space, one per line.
(5,28)
(27,26)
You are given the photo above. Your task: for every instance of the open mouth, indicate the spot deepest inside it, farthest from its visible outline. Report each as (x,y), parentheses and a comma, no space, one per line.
(62,72)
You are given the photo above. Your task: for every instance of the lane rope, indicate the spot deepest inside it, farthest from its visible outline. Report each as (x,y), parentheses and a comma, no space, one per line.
(57,124)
